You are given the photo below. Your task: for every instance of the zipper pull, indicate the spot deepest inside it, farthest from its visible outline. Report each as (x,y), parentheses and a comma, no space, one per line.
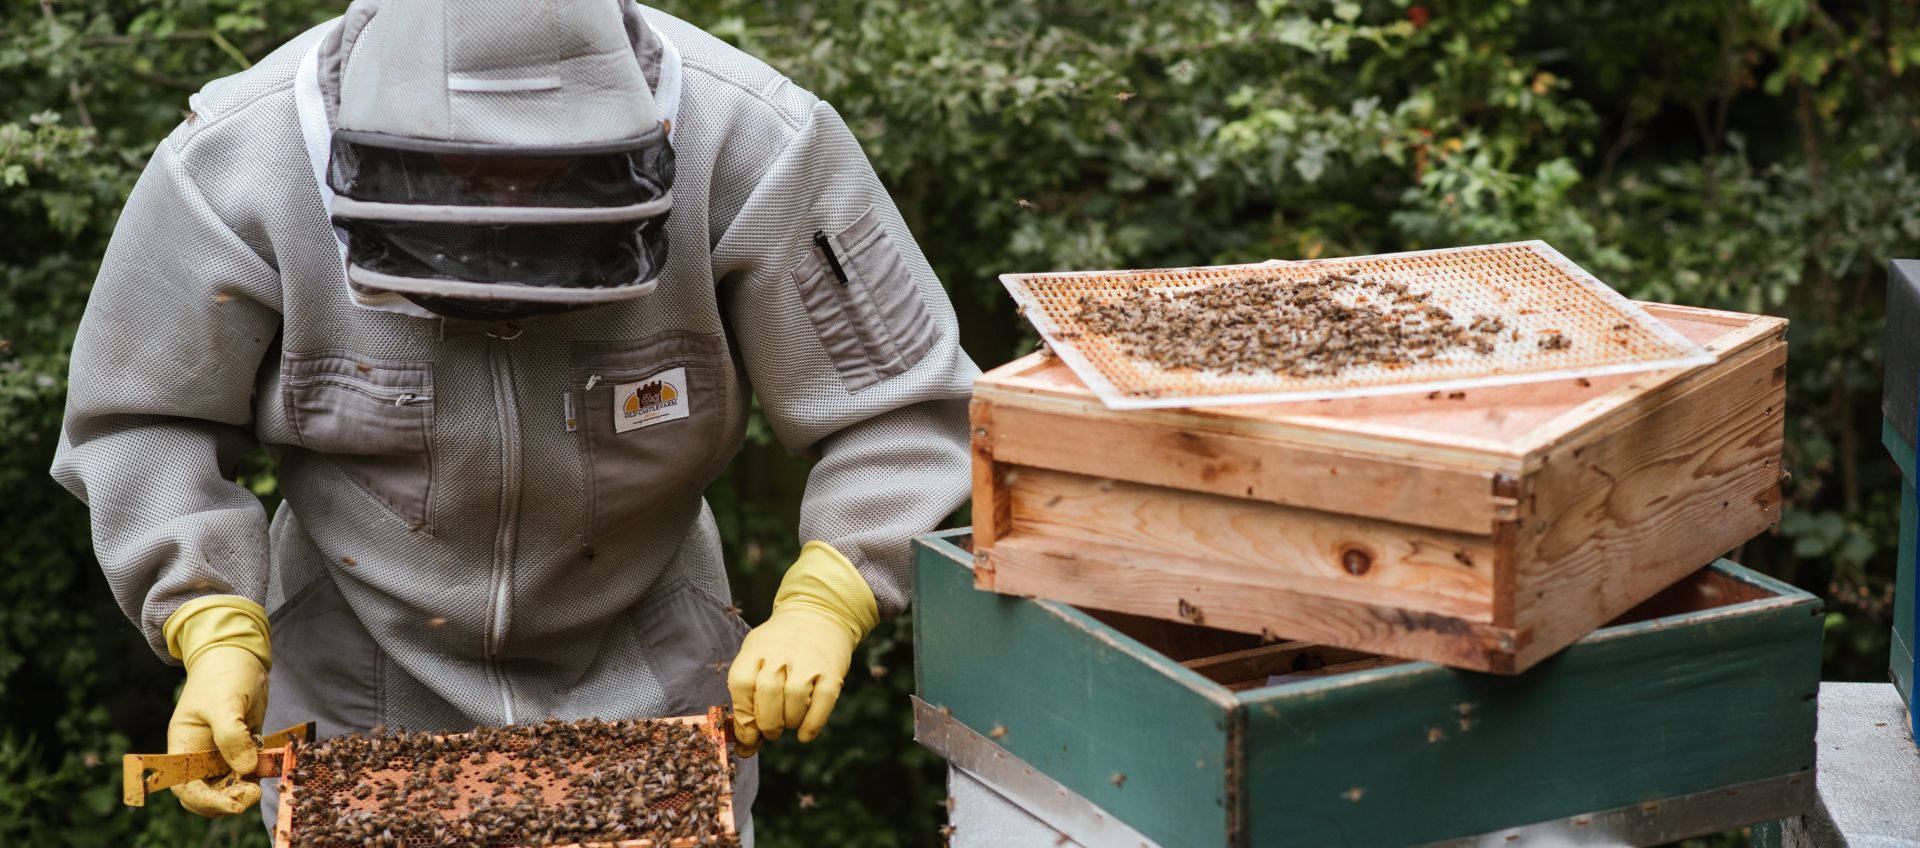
(826,248)
(405,399)
(592,380)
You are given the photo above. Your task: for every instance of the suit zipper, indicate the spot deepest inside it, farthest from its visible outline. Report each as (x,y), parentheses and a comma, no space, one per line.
(509,516)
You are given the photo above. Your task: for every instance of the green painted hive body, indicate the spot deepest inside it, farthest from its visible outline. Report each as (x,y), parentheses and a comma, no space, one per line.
(1710,693)
(1902,665)
(1900,418)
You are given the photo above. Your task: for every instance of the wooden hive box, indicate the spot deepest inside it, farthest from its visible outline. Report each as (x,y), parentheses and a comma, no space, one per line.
(1899,405)
(1903,667)
(1693,714)
(1483,529)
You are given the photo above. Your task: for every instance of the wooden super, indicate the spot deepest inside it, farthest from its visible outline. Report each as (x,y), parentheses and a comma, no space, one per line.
(1484,529)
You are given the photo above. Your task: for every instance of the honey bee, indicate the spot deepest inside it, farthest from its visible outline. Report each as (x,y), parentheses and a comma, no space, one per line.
(1308,327)
(653,780)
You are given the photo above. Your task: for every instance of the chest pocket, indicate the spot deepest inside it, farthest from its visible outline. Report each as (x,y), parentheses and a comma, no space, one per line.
(652,419)
(372,418)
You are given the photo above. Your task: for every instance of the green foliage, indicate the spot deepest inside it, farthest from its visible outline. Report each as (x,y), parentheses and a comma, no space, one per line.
(1756,156)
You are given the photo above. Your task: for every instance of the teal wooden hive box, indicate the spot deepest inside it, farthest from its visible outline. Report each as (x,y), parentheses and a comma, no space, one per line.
(1692,714)
(1899,400)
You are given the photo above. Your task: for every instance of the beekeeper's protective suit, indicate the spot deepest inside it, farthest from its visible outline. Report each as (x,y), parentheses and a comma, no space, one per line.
(494,286)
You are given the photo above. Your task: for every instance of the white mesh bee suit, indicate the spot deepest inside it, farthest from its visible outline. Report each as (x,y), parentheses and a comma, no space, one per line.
(467,538)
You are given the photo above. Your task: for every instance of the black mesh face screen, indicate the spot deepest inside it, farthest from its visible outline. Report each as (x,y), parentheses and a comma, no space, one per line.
(364,169)
(402,172)
(589,256)
(568,256)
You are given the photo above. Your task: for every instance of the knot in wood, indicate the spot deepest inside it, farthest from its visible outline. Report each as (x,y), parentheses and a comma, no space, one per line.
(1356,561)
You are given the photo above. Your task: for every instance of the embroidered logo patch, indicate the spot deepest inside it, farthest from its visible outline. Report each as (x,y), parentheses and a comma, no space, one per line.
(655,400)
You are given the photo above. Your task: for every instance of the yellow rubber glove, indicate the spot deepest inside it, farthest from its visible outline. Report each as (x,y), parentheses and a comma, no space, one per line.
(223,641)
(790,670)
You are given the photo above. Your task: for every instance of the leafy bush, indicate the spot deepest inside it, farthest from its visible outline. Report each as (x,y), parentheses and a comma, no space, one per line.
(1755,156)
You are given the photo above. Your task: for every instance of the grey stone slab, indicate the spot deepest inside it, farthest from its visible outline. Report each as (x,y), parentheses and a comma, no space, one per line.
(982,817)
(1869,771)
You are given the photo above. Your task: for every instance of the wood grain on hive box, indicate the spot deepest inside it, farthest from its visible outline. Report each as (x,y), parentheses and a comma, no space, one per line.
(1483,529)
(1692,714)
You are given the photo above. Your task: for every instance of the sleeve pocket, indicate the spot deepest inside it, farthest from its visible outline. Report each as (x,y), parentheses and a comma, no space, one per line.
(874,324)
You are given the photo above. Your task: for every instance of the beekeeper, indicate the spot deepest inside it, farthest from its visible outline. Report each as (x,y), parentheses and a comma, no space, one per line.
(493,288)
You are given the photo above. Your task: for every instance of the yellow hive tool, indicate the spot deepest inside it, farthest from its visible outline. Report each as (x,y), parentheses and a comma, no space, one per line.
(144,774)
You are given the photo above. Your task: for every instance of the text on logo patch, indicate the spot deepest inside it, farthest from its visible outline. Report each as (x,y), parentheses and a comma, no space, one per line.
(655,400)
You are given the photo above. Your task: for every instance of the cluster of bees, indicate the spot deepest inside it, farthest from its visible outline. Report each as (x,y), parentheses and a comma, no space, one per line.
(1314,327)
(554,783)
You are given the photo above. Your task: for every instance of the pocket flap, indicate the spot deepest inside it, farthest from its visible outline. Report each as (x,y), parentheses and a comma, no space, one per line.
(385,377)
(873,323)
(629,359)
(372,418)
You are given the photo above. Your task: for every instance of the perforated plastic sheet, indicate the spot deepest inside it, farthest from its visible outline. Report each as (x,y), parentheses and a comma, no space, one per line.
(1534,290)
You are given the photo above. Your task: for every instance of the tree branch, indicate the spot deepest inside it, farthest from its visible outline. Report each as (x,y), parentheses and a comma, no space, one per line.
(124,40)
(1810,136)
(73,84)
(227,47)
(1629,133)
(1827,25)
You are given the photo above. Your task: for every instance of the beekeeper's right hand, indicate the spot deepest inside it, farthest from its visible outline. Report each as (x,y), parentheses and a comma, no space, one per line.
(223,641)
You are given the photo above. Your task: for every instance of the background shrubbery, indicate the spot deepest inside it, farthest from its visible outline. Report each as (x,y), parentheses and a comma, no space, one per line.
(1749,154)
